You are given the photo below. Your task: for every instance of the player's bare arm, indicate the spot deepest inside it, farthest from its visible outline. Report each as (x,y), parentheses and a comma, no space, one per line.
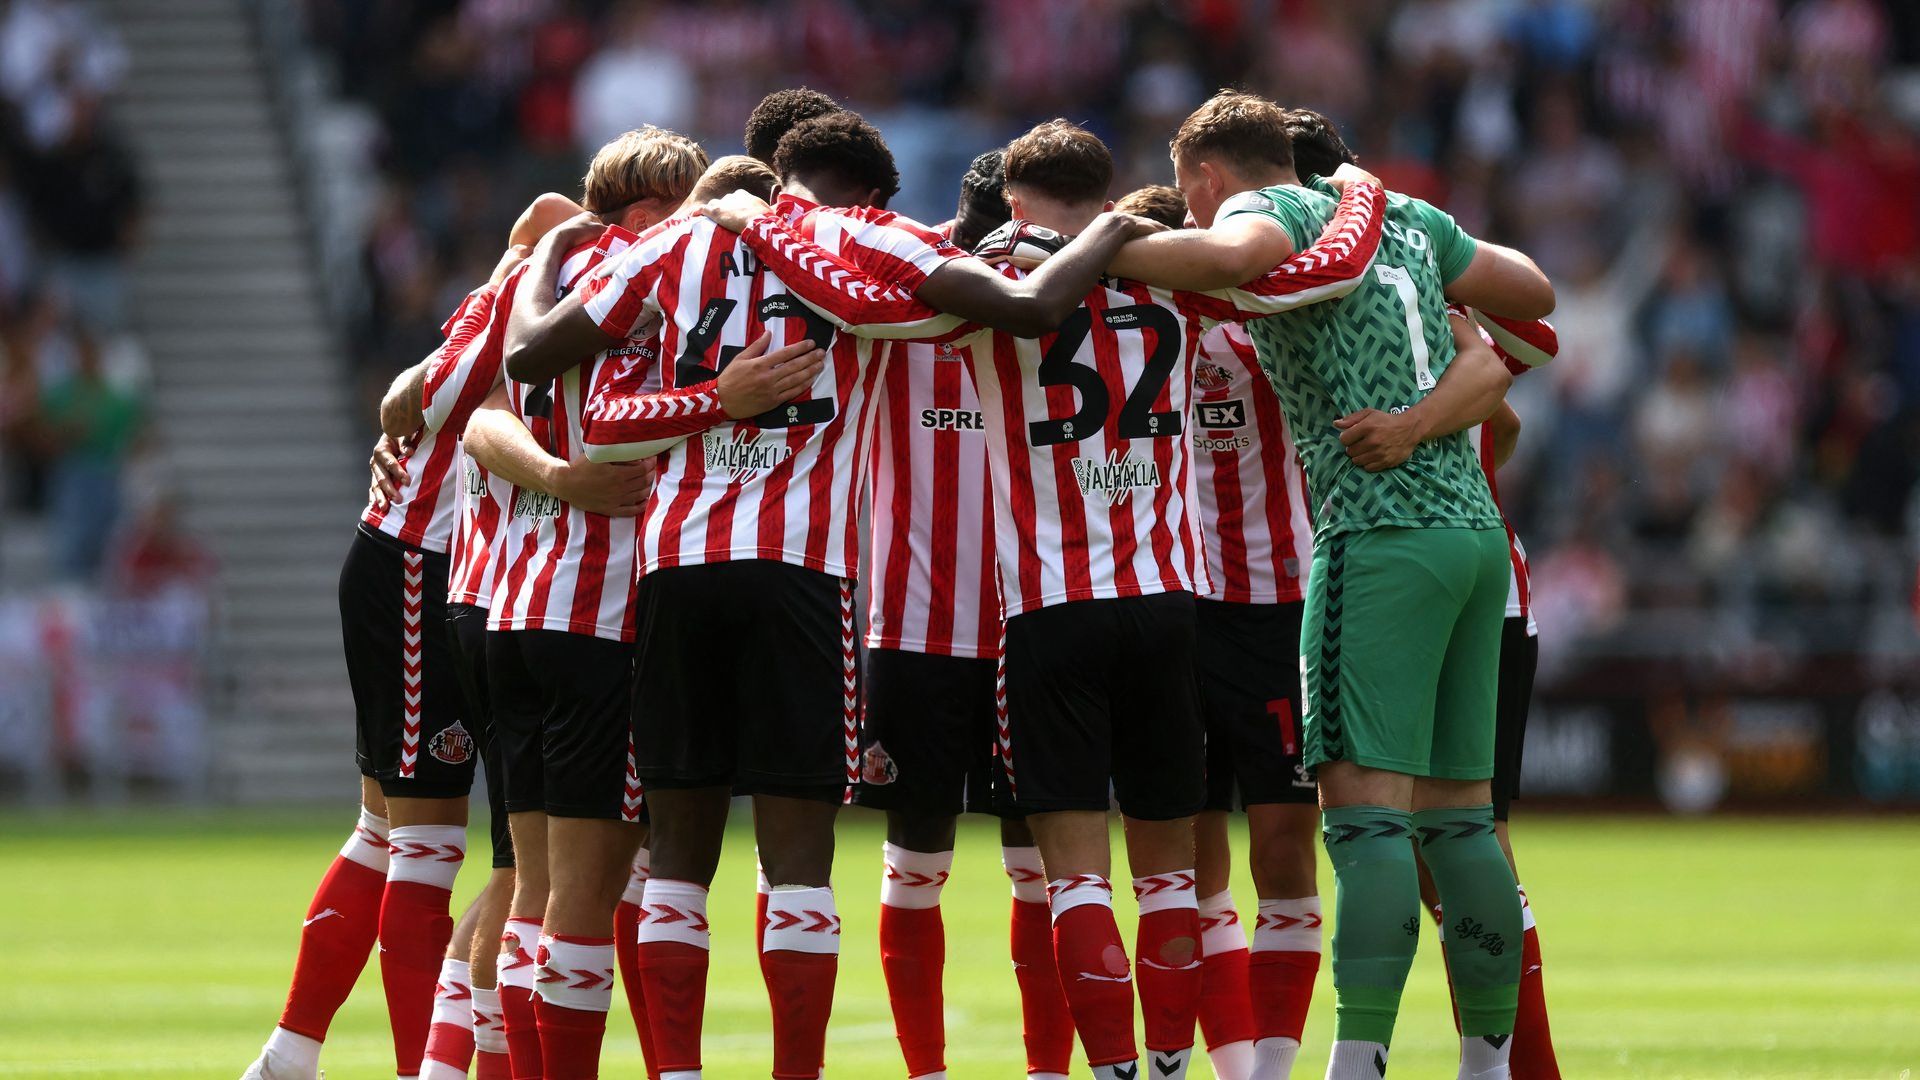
(1470,390)
(1503,281)
(1503,427)
(545,335)
(1039,302)
(542,216)
(622,426)
(400,407)
(503,446)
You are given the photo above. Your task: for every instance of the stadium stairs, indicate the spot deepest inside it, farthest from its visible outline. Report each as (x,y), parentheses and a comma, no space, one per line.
(248,395)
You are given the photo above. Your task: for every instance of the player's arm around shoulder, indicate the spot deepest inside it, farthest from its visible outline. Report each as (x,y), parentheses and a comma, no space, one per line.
(1486,277)
(547,334)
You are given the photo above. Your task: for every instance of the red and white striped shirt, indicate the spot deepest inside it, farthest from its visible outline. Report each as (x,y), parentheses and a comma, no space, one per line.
(781,485)
(1519,582)
(1080,510)
(932,587)
(424,509)
(1253,492)
(562,568)
(455,386)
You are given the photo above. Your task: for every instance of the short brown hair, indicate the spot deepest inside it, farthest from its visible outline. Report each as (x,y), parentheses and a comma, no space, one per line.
(735,172)
(1156,202)
(1318,149)
(1061,160)
(1247,130)
(647,163)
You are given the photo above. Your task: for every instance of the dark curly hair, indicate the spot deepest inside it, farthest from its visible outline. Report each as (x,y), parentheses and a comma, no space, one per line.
(779,113)
(840,149)
(983,199)
(1318,148)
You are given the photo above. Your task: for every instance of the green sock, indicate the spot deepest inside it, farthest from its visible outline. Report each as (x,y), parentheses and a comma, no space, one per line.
(1480,913)
(1377,917)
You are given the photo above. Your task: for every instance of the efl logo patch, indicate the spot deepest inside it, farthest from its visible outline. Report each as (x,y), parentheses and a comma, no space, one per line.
(1220,415)
(452,746)
(877,768)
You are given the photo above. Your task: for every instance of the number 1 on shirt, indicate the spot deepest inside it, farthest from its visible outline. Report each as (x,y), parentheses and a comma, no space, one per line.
(1402,283)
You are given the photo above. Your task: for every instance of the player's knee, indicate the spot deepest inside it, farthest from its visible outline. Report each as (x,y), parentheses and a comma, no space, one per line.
(916,832)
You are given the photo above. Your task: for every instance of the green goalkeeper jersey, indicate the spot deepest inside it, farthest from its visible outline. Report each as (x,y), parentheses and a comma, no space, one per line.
(1382,346)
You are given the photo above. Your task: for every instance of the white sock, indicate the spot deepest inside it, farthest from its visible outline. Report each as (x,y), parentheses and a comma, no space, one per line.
(1273,1058)
(1170,1064)
(637,878)
(1232,1061)
(489,1032)
(1484,1057)
(802,918)
(913,879)
(1354,1059)
(681,1074)
(368,844)
(1029,880)
(675,911)
(1119,1070)
(427,854)
(289,1055)
(575,974)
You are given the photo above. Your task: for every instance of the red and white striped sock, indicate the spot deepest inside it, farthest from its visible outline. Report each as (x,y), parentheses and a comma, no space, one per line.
(1094,972)
(801,960)
(1167,967)
(1280,972)
(489,1036)
(913,954)
(760,891)
(519,952)
(342,923)
(1046,1024)
(415,924)
(1226,1007)
(626,952)
(674,951)
(450,1037)
(1533,1056)
(574,990)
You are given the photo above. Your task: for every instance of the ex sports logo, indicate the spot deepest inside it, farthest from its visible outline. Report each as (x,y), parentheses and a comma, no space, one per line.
(1221,415)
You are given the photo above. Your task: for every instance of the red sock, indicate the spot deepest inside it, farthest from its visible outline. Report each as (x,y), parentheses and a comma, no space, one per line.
(1282,966)
(489,1036)
(518,945)
(414,927)
(1532,1056)
(673,955)
(1226,1005)
(575,984)
(626,951)
(1093,967)
(342,923)
(913,953)
(450,1037)
(800,959)
(1046,1024)
(1167,959)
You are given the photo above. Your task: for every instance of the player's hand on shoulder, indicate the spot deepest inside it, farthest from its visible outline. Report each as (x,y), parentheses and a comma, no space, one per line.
(611,489)
(1349,173)
(734,210)
(759,378)
(1377,441)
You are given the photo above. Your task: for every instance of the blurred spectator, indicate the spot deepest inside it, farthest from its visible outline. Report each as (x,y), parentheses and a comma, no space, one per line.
(85,197)
(90,423)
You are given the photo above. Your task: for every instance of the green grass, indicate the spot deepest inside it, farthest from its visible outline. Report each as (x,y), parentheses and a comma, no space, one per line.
(157,944)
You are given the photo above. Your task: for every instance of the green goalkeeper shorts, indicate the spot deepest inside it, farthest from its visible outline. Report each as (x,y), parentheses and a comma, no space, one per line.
(1400,650)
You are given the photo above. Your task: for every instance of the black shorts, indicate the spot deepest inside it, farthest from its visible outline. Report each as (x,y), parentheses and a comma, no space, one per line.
(747,677)
(561,706)
(1519,656)
(1103,691)
(407,704)
(467,630)
(1249,666)
(929,734)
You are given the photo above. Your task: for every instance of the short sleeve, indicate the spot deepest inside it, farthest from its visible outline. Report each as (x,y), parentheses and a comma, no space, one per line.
(1452,248)
(618,294)
(1277,205)
(892,249)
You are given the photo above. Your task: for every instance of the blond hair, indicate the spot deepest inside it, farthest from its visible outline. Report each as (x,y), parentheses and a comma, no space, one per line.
(735,172)
(648,163)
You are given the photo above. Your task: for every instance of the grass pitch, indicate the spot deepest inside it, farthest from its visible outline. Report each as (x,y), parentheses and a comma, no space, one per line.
(158,943)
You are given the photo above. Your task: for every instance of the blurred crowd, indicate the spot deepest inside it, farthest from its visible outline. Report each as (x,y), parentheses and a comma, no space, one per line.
(72,374)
